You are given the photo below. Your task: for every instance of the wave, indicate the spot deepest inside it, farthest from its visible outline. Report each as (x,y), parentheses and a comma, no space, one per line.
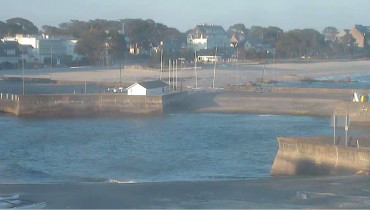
(267,115)
(120,182)
(17,171)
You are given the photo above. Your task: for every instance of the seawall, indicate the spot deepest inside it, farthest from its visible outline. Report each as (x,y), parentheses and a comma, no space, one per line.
(359,112)
(89,105)
(297,90)
(9,106)
(319,156)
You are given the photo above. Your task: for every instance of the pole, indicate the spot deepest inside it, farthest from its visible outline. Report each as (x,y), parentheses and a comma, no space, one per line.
(160,74)
(85,87)
(120,74)
(176,74)
(346,129)
(51,57)
(22,74)
(214,70)
(169,72)
(237,64)
(334,124)
(273,66)
(195,69)
(106,54)
(181,67)
(173,74)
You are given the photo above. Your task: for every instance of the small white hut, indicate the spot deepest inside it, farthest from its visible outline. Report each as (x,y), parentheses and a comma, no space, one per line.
(156,87)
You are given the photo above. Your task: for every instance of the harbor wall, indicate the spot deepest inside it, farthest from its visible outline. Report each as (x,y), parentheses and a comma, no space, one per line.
(89,104)
(76,105)
(319,156)
(297,90)
(9,106)
(359,112)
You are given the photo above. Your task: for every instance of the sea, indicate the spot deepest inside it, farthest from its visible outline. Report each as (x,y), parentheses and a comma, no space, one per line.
(174,147)
(170,148)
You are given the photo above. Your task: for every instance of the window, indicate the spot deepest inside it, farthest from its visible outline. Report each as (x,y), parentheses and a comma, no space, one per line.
(10,52)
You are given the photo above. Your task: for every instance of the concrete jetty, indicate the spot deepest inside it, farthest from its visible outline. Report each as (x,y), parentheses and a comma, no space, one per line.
(320,156)
(89,104)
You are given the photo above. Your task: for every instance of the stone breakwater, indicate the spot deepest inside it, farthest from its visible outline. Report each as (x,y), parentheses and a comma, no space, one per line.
(89,104)
(320,156)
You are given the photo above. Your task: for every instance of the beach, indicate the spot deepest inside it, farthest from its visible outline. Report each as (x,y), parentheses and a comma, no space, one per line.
(225,74)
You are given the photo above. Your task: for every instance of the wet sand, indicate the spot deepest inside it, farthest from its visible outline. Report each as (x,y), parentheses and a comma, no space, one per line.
(274,192)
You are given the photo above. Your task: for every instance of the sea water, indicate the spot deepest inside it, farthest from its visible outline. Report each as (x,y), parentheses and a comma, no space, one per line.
(176,147)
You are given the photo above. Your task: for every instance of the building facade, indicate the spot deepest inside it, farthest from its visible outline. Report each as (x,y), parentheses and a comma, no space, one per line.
(361,35)
(43,49)
(208,37)
(147,88)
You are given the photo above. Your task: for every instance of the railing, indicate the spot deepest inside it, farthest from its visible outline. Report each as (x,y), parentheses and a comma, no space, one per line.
(6,96)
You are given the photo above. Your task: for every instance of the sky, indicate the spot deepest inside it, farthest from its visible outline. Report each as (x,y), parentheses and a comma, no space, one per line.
(186,14)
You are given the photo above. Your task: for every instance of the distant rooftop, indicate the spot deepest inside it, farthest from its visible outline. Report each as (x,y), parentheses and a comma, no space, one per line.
(210,29)
(153,84)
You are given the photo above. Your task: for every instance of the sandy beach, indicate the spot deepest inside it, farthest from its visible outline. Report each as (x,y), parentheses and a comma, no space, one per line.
(225,75)
(274,192)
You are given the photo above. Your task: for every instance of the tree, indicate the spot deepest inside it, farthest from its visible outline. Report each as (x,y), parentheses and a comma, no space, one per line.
(256,32)
(3,29)
(116,45)
(271,34)
(53,31)
(92,45)
(146,33)
(238,28)
(296,43)
(22,26)
(330,33)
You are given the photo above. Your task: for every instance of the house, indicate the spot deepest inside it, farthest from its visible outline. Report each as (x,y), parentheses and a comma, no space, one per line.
(10,52)
(344,37)
(361,35)
(45,48)
(236,39)
(208,37)
(155,87)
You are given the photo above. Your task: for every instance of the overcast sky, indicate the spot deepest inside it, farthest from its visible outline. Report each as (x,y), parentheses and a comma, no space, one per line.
(185,14)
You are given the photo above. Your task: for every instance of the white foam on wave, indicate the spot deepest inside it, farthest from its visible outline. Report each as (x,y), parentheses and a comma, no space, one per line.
(120,182)
(267,115)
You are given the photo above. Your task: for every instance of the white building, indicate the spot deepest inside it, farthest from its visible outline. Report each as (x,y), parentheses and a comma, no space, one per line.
(45,48)
(24,40)
(147,88)
(208,37)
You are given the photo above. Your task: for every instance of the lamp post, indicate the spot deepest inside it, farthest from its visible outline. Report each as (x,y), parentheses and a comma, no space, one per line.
(22,74)
(195,69)
(273,66)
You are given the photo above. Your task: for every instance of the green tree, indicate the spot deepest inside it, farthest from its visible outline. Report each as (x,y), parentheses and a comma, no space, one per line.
(271,34)
(116,46)
(237,28)
(3,29)
(146,33)
(92,45)
(21,26)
